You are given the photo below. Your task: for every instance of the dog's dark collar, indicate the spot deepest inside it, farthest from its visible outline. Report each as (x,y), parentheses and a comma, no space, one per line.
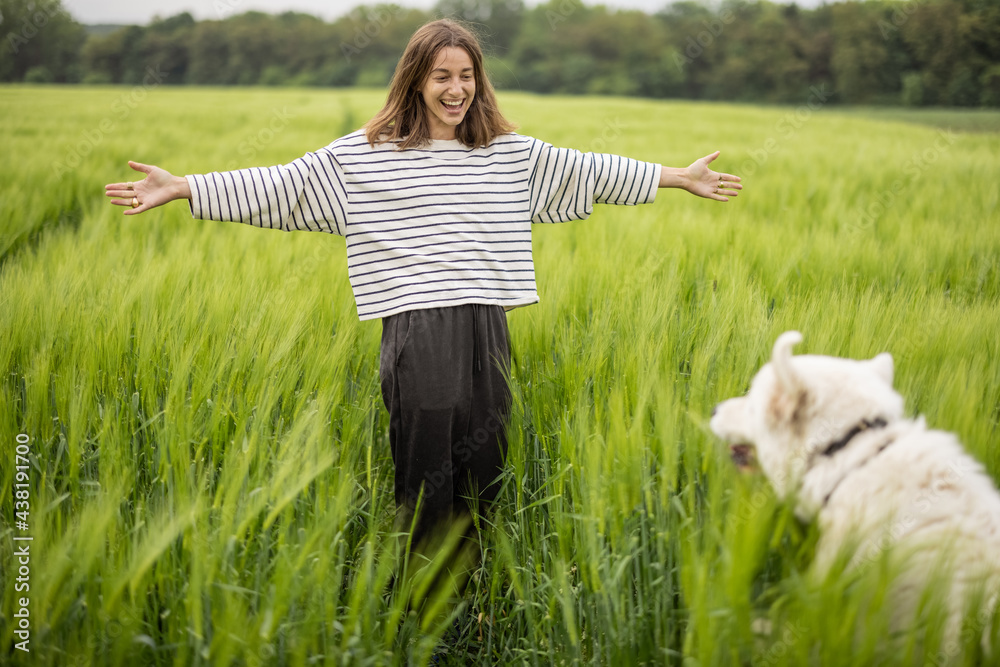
(865,425)
(840,444)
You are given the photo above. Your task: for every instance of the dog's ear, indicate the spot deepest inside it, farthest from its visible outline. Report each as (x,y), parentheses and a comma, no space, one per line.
(781,359)
(790,399)
(883,366)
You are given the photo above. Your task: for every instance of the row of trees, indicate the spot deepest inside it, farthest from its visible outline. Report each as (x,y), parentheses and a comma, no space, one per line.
(914,52)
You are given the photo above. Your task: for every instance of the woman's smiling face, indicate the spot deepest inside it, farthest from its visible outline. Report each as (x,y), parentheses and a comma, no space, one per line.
(448,91)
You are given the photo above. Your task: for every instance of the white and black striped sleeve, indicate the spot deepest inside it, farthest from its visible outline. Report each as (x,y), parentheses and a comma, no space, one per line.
(305,195)
(566,183)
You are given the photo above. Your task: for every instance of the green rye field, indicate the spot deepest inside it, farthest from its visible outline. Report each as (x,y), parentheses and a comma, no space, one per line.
(208,479)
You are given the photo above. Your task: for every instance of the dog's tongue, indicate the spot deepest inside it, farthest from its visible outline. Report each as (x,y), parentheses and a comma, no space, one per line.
(743,456)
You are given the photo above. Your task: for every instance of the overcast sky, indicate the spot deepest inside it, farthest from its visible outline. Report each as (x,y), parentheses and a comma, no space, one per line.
(139,12)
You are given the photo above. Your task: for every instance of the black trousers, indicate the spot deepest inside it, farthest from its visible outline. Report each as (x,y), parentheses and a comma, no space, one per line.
(442,373)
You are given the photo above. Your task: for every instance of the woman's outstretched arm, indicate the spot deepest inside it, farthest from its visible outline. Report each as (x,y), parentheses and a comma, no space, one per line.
(156,189)
(306,194)
(699,180)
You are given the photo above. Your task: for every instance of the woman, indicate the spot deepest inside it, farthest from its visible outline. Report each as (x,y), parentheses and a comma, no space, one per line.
(435,196)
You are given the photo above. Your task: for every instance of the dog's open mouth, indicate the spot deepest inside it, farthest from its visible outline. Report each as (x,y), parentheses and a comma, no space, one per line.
(744,456)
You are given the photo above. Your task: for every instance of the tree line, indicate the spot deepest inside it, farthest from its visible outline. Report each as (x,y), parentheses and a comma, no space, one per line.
(909,52)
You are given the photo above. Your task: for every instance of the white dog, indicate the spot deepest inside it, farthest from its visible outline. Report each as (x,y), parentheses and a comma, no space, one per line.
(829,434)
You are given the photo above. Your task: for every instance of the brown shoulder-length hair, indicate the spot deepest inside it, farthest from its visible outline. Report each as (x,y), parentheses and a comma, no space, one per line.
(404,116)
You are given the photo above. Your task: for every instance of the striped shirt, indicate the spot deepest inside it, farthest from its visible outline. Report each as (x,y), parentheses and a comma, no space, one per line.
(440,225)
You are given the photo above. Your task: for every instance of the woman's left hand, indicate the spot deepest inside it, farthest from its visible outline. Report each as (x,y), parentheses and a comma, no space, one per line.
(709,184)
(157,188)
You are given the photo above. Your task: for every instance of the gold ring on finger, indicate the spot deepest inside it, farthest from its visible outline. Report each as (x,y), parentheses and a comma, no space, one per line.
(135,202)
(128,186)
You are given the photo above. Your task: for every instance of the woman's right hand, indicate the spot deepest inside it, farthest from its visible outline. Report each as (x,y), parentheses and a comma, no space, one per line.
(157,188)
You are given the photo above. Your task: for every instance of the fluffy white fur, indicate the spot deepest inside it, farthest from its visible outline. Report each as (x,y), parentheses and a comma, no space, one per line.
(894,486)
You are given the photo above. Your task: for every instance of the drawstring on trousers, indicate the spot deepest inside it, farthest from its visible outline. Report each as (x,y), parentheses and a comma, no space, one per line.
(475,336)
